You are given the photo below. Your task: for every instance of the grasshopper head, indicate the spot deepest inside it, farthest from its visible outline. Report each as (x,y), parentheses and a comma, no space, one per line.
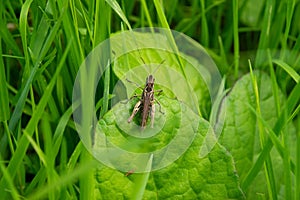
(150,80)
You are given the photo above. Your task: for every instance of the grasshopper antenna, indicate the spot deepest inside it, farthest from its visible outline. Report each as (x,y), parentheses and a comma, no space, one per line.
(141,57)
(158,66)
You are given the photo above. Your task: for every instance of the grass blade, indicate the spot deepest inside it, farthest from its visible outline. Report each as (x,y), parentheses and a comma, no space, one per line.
(268,163)
(21,102)
(290,105)
(116,7)
(4,103)
(106,91)
(289,17)
(204,27)
(23,29)
(7,37)
(297,188)
(10,184)
(81,170)
(161,14)
(23,142)
(236,37)
(36,147)
(141,182)
(288,69)
(265,32)
(146,10)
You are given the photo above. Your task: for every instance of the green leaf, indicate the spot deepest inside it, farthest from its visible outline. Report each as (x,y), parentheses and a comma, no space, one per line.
(189,177)
(141,55)
(240,133)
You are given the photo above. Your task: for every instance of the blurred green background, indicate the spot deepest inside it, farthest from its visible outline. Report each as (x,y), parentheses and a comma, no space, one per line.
(43,43)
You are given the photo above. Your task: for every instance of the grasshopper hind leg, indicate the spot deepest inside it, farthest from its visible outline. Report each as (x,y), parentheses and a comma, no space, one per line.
(152,114)
(135,110)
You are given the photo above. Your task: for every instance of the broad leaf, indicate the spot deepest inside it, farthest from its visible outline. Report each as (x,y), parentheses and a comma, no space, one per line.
(241,136)
(189,177)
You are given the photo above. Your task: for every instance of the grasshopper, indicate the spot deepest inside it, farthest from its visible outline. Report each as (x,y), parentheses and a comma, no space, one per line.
(146,102)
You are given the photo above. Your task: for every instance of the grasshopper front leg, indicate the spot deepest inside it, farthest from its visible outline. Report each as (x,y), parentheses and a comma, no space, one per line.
(135,110)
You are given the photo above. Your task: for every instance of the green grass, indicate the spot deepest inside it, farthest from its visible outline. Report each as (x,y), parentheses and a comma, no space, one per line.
(43,44)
